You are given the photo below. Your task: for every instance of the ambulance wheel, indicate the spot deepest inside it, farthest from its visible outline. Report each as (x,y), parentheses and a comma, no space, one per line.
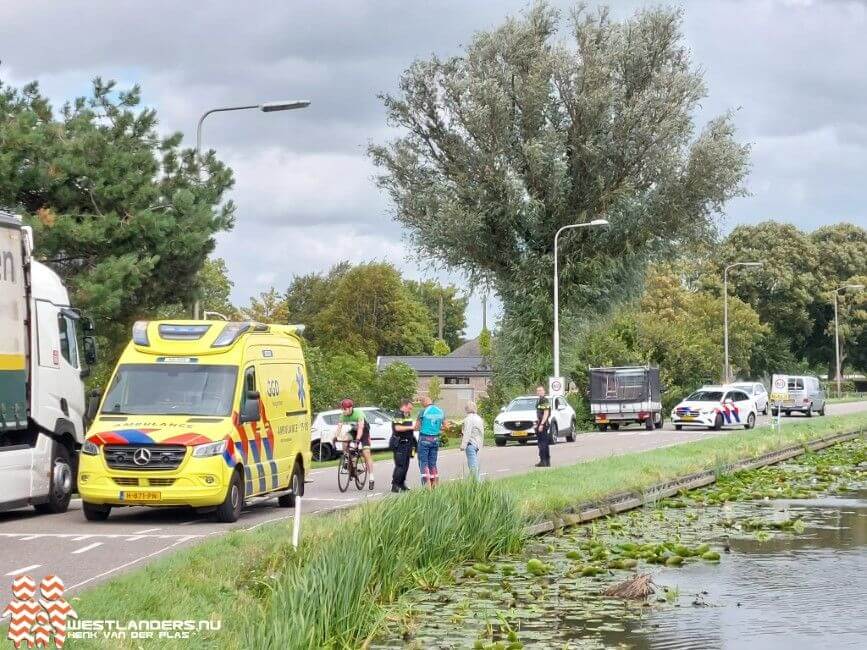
(60,490)
(229,511)
(718,422)
(296,485)
(95,512)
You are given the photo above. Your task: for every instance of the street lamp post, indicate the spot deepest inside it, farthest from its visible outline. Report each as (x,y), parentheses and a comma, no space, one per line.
(266,107)
(595,222)
(837,291)
(726,366)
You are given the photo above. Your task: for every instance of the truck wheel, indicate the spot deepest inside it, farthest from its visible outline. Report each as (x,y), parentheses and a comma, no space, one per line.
(615,426)
(60,490)
(500,442)
(229,511)
(603,427)
(661,422)
(296,484)
(649,422)
(95,512)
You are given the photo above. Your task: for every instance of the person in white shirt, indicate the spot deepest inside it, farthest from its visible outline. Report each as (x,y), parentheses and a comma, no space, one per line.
(473,438)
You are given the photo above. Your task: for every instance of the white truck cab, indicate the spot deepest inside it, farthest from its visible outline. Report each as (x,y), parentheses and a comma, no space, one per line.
(42,403)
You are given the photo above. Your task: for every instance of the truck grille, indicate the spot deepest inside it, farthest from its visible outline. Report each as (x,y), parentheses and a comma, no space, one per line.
(518,425)
(144,456)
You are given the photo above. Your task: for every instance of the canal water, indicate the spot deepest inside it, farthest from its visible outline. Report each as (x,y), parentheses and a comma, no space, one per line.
(792,573)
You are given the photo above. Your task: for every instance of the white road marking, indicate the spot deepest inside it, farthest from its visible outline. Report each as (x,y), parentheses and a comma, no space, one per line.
(85,549)
(18,572)
(80,538)
(124,565)
(504,469)
(29,537)
(146,531)
(74,537)
(134,538)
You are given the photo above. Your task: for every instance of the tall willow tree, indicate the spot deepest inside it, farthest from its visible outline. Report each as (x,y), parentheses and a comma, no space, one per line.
(545,122)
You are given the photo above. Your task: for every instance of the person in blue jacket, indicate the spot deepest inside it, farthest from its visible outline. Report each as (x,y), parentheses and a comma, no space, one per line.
(429,426)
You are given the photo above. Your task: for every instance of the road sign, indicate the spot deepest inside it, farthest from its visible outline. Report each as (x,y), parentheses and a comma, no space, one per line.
(556,386)
(779,389)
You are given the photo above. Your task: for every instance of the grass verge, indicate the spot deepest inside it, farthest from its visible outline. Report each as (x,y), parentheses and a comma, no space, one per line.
(335,591)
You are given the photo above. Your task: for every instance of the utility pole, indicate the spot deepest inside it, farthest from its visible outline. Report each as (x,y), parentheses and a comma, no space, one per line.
(441,315)
(484,312)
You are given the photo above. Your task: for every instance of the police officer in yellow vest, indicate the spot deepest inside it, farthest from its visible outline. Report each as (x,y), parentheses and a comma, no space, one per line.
(543,424)
(402,444)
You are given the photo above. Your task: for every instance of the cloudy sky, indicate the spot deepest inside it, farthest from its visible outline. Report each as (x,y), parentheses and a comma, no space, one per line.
(793,70)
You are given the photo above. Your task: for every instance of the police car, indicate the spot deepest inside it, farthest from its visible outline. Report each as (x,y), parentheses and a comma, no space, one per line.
(716,407)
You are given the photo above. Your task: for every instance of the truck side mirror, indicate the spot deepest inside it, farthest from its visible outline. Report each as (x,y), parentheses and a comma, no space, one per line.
(90,354)
(86,325)
(250,412)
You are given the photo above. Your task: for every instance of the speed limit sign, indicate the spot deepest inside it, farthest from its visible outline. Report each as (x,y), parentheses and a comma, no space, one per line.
(779,388)
(556,386)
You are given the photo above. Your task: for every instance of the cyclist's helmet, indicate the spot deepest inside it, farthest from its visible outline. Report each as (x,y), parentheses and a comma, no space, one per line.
(347,404)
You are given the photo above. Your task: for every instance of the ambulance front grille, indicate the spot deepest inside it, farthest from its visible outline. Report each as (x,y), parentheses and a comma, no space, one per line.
(145,457)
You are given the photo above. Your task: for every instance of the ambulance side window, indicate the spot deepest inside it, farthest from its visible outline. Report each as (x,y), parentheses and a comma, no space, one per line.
(249,385)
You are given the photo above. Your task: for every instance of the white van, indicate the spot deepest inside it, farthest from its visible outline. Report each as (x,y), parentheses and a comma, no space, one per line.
(805,394)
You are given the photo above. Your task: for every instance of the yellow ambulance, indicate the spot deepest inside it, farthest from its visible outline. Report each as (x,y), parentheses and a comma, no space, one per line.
(207,414)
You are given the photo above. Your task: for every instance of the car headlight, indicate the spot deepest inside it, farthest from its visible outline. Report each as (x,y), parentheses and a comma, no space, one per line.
(209,449)
(89,448)
(706,411)
(499,428)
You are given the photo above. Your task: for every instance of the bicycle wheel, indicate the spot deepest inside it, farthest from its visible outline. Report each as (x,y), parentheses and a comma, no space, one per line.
(360,472)
(343,470)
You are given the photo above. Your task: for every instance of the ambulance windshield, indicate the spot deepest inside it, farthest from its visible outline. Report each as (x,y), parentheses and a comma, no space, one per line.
(171,389)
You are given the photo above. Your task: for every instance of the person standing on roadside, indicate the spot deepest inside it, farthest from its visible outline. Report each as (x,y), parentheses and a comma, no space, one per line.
(429,426)
(473,436)
(403,443)
(543,414)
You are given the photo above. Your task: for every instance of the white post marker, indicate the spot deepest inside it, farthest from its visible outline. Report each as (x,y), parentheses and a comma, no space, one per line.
(296,523)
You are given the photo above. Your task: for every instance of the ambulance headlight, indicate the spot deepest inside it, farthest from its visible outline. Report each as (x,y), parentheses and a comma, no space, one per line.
(209,449)
(89,448)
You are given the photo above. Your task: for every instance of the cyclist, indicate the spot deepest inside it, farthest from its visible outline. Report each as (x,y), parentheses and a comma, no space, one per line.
(355,418)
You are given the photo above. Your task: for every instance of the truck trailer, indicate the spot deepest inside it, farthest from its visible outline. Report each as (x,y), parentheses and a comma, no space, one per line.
(42,365)
(625,395)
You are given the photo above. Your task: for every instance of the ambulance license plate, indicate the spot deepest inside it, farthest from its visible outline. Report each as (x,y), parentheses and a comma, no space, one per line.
(136,495)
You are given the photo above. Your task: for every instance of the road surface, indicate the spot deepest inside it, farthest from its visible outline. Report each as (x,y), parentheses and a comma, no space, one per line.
(84,553)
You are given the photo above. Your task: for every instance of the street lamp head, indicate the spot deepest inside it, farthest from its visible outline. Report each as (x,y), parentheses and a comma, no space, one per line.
(270,107)
(855,286)
(599,222)
(753,264)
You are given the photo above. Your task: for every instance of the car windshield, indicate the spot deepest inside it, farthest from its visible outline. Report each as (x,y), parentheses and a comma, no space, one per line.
(171,389)
(748,388)
(522,404)
(705,396)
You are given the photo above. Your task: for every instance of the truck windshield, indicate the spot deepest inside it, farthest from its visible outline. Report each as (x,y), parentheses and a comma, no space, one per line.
(171,389)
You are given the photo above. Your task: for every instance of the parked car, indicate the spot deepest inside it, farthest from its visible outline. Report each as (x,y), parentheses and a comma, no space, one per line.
(324,427)
(625,395)
(715,407)
(517,421)
(757,391)
(805,394)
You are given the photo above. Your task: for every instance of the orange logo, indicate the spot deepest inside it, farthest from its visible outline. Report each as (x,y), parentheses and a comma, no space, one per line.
(32,622)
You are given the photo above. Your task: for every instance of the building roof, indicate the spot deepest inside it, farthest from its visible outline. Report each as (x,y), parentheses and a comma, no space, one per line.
(427,366)
(469,349)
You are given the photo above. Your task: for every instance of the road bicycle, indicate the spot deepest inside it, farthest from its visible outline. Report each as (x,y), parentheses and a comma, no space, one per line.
(351,467)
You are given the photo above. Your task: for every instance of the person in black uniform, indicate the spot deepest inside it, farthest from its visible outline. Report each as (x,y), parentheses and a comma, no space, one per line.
(403,443)
(543,439)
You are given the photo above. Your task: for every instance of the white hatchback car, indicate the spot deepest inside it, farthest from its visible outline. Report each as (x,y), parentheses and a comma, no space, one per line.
(715,407)
(325,426)
(757,391)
